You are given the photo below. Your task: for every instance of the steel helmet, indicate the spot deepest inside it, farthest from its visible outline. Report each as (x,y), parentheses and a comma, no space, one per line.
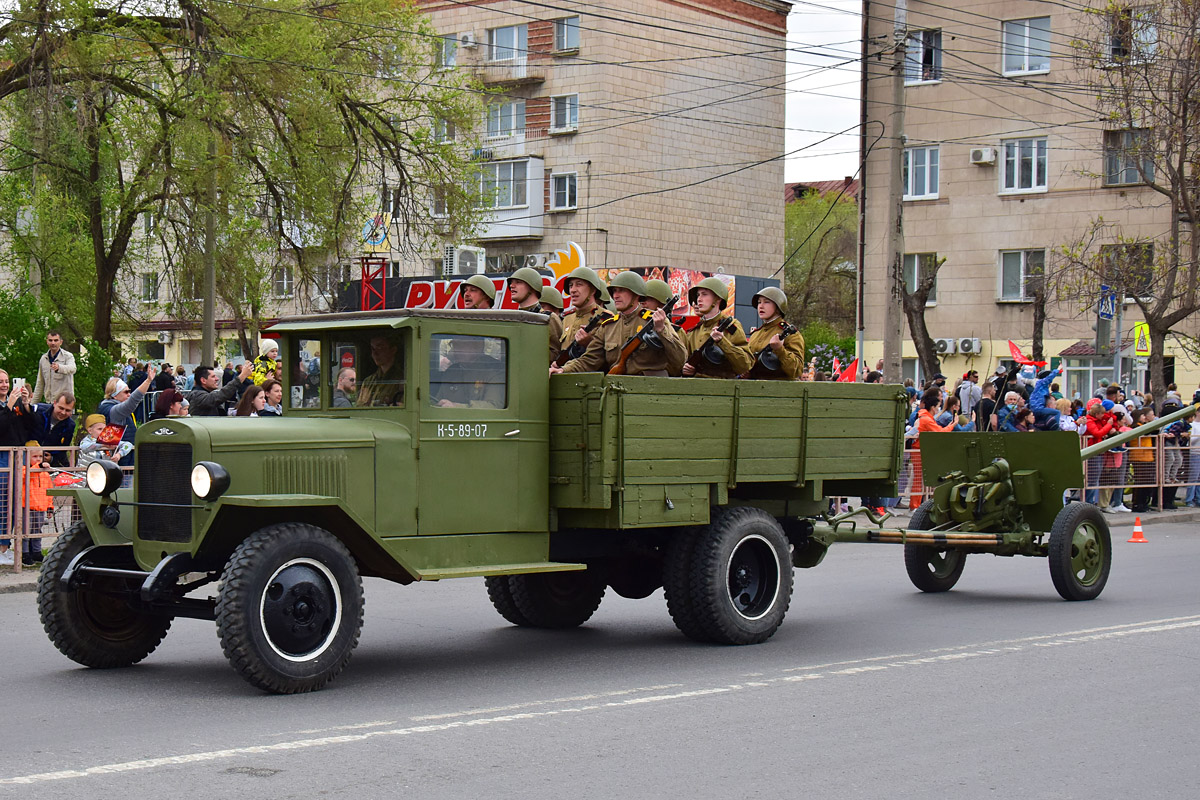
(552,297)
(483,284)
(659,290)
(775,295)
(714,285)
(629,280)
(529,276)
(588,275)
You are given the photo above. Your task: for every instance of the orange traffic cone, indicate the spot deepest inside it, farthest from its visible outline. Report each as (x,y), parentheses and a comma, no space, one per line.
(1138,537)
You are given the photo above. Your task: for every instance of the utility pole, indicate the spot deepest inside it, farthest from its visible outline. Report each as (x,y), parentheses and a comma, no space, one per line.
(893,314)
(208,340)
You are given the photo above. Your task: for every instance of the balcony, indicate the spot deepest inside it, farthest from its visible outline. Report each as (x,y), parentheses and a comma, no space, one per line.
(515,71)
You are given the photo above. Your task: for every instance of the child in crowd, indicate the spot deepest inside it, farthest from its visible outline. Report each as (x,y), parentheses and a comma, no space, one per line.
(34,484)
(1141,456)
(92,449)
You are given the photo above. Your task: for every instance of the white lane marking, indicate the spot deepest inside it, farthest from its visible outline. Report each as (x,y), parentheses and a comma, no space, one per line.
(474,712)
(847,668)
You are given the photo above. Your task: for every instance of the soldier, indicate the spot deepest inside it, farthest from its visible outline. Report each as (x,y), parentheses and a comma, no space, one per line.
(552,305)
(713,354)
(658,294)
(525,288)
(588,297)
(785,359)
(661,355)
(478,292)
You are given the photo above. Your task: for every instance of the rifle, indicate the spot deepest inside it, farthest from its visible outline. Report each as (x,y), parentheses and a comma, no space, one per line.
(575,350)
(699,355)
(645,333)
(766,360)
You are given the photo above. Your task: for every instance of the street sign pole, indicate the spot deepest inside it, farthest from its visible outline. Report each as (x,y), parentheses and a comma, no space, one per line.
(1119,340)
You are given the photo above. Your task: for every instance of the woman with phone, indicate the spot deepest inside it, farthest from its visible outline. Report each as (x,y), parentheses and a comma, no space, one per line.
(16,426)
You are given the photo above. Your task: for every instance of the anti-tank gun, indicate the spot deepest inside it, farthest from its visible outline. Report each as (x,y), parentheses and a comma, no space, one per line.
(1002,493)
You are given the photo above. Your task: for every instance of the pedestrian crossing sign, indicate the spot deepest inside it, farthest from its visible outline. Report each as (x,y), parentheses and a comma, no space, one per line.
(1108,303)
(1141,339)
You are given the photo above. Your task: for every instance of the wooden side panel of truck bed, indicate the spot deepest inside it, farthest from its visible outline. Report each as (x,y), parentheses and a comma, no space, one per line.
(639,452)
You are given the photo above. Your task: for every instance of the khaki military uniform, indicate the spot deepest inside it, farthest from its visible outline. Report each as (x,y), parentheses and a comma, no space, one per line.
(572,322)
(555,324)
(734,345)
(791,357)
(604,350)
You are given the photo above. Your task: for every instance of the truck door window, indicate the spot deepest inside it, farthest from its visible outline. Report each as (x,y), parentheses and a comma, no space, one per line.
(306,374)
(367,369)
(468,371)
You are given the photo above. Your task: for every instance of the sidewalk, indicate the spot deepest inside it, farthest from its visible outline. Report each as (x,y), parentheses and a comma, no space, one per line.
(12,582)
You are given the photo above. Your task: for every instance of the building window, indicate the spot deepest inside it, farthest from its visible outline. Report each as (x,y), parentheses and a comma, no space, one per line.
(1132,34)
(447,55)
(1025,165)
(923,57)
(1020,271)
(1027,46)
(281,282)
(564,112)
(443,131)
(920,173)
(563,192)
(506,119)
(917,265)
(566,33)
(1123,151)
(507,44)
(437,205)
(1129,269)
(503,184)
(149,287)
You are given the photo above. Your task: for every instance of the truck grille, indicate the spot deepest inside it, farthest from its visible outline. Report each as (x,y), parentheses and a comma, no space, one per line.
(164,476)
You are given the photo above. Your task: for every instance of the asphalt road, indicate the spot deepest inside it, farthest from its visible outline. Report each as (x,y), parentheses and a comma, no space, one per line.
(870,689)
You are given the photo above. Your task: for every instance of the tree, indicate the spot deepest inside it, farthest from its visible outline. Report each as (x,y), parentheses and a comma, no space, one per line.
(916,291)
(1144,66)
(281,118)
(820,232)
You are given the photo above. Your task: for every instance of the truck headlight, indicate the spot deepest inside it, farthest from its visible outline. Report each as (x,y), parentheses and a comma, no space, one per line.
(209,480)
(103,477)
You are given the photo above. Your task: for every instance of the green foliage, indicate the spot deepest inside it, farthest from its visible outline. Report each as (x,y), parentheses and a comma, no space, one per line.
(819,277)
(823,343)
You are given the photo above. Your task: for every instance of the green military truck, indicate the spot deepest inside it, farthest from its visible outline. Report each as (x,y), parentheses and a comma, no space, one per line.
(425,444)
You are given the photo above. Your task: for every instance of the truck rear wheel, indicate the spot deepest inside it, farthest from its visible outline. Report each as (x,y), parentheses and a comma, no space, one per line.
(500,593)
(931,569)
(1080,552)
(94,626)
(741,581)
(677,583)
(290,608)
(556,599)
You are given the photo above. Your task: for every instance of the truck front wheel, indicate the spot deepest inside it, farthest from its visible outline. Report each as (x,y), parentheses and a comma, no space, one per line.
(741,577)
(98,625)
(556,599)
(290,608)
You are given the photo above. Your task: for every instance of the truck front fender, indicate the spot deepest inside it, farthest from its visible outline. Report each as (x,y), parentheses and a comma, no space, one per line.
(89,506)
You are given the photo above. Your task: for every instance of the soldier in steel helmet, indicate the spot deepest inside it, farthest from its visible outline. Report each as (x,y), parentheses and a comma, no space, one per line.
(588,298)
(525,289)
(478,292)
(778,349)
(656,356)
(552,306)
(728,355)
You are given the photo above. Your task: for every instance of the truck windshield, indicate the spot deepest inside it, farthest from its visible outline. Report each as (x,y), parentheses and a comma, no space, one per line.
(367,370)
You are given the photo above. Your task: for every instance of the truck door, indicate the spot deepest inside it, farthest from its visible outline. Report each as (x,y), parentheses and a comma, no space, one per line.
(470,437)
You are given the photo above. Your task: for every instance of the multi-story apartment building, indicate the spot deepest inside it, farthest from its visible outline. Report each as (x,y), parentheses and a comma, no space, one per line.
(650,133)
(1006,160)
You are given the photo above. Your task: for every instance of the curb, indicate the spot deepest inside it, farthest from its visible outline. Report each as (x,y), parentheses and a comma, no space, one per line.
(1127,520)
(22,585)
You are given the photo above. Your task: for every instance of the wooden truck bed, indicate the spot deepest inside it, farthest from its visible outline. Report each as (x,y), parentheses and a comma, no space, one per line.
(630,452)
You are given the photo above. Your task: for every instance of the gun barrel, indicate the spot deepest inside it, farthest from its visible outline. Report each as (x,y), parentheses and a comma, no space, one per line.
(1141,430)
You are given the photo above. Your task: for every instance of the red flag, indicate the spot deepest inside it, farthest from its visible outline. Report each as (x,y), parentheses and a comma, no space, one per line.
(837,367)
(1020,358)
(850,373)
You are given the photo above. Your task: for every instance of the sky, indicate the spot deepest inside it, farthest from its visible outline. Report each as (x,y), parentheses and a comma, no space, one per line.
(822,99)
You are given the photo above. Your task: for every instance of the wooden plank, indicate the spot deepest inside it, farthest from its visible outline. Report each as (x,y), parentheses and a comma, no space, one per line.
(844,467)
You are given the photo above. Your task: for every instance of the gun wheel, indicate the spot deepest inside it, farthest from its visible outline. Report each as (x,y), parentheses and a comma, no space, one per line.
(290,608)
(931,569)
(1080,552)
(96,626)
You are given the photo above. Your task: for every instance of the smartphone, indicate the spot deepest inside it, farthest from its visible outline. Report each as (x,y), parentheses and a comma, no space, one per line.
(18,384)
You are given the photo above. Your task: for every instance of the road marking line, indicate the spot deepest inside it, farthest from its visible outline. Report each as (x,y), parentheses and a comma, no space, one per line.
(869,665)
(535,703)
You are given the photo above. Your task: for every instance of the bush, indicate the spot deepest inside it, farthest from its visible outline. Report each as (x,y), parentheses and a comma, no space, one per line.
(822,342)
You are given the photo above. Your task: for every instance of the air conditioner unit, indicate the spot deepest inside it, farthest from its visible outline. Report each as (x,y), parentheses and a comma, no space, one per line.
(165,337)
(983,155)
(467,40)
(970,346)
(945,346)
(462,260)
(536,261)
